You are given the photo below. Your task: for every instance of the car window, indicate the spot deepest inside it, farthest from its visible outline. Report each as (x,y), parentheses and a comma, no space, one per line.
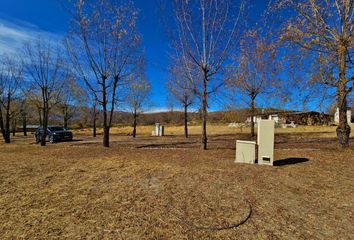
(55,129)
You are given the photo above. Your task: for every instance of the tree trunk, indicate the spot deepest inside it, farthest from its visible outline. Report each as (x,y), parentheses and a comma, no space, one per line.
(186,121)
(13,125)
(2,127)
(106,136)
(45,115)
(45,126)
(65,117)
(40,117)
(14,128)
(105,118)
(343,130)
(94,133)
(7,124)
(24,124)
(252,117)
(204,112)
(134,124)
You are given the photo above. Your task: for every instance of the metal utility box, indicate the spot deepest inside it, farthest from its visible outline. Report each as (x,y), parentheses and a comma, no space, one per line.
(157,129)
(265,140)
(245,152)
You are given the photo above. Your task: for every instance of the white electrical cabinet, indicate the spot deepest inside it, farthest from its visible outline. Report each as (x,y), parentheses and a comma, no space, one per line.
(245,152)
(265,140)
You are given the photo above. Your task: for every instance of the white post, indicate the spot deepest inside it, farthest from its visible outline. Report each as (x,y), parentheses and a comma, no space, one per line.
(157,129)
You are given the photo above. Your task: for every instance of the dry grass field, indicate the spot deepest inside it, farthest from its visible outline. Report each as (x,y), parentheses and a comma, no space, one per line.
(212,130)
(168,188)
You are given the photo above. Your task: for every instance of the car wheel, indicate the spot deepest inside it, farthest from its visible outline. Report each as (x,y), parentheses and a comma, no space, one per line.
(51,139)
(38,139)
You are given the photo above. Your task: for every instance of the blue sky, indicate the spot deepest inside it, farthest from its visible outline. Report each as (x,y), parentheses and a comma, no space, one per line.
(23,20)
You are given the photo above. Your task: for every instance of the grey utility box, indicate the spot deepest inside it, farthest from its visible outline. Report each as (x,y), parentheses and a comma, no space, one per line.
(245,152)
(265,140)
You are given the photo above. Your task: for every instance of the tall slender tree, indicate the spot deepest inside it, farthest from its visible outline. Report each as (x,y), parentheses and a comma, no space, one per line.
(325,29)
(103,47)
(45,67)
(73,95)
(23,114)
(139,90)
(34,102)
(256,70)
(181,87)
(11,74)
(207,32)
(94,115)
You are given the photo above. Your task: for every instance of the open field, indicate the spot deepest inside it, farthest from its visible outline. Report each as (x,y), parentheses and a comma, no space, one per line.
(326,131)
(168,188)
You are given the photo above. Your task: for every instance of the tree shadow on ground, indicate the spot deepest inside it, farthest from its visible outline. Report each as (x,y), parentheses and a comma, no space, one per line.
(167,145)
(289,161)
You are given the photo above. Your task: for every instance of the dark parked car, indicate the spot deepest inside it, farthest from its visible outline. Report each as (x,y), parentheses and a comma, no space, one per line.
(54,134)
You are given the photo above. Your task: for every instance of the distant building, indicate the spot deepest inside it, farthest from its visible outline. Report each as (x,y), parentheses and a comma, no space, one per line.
(308,118)
(29,128)
(298,118)
(256,118)
(274,117)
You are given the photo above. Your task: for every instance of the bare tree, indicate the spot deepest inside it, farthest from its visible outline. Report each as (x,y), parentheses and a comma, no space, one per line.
(94,115)
(11,73)
(72,96)
(66,107)
(23,114)
(325,28)
(14,124)
(44,65)
(139,90)
(181,87)
(34,102)
(103,49)
(257,69)
(206,33)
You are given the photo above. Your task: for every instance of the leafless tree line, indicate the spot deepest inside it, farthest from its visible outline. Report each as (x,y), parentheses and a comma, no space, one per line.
(206,44)
(102,52)
(213,47)
(325,30)
(104,49)
(207,32)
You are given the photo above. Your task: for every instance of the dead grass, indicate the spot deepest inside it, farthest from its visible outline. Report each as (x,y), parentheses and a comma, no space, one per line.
(167,188)
(212,130)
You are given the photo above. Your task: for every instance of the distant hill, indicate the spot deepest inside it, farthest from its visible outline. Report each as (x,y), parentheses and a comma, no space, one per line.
(82,117)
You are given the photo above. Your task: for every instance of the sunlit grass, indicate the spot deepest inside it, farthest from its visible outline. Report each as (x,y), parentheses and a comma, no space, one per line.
(212,129)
